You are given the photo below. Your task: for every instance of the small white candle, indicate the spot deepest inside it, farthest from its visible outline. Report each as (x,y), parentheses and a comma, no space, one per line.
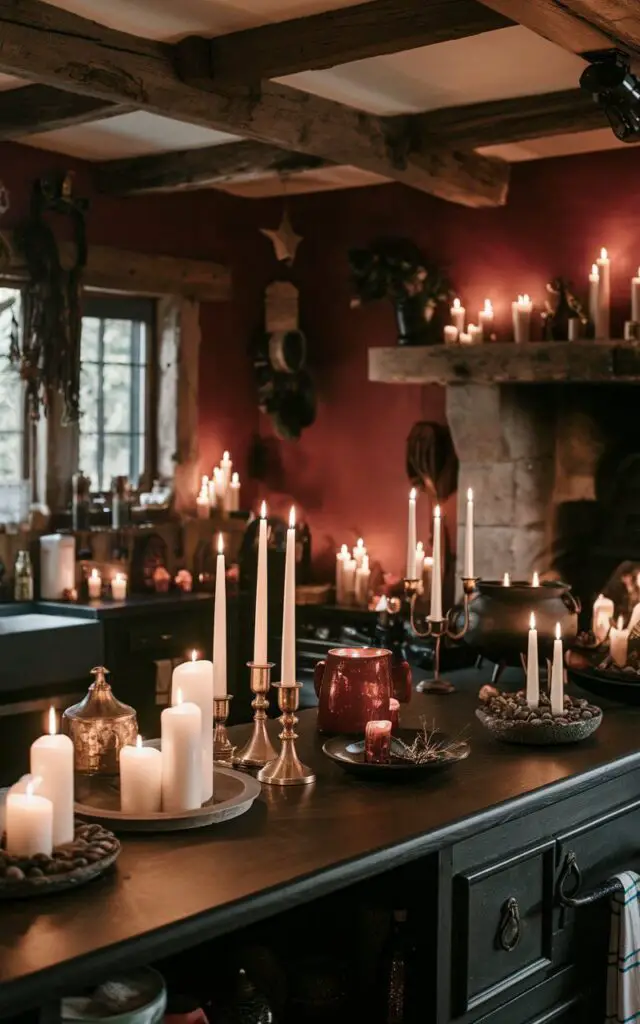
(594,284)
(219,487)
(506,580)
(226,465)
(475,333)
(635,298)
(220,626)
(349,581)
(52,761)
(119,587)
(464,338)
(211,487)
(468,538)
(341,559)
(535,582)
(603,610)
(181,729)
(140,779)
(233,494)
(557,675)
(435,611)
(486,319)
(28,823)
(533,672)
(603,314)
(411,536)
(359,552)
(94,584)
(450,334)
(363,574)
(522,309)
(194,680)
(288,659)
(262,600)
(420,557)
(203,504)
(458,313)
(619,643)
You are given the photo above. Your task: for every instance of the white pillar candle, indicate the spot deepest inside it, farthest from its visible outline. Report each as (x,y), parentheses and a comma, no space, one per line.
(603,609)
(486,320)
(535,580)
(475,333)
(220,626)
(341,559)
(420,557)
(211,486)
(619,643)
(450,334)
(359,552)
(594,284)
(94,584)
(349,581)
(468,538)
(363,574)
(557,675)
(233,494)
(457,315)
(435,611)
(262,600)
(603,313)
(288,659)
(522,309)
(219,486)
(635,298)
(506,580)
(28,823)
(119,587)
(411,536)
(194,680)
(203,506)
(181,730)
(533,672)
(52,761)
(140,779)
(464,338)
(226,465)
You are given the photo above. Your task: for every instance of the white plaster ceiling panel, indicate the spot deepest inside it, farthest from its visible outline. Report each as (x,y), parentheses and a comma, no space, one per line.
(125,135)
(557,145)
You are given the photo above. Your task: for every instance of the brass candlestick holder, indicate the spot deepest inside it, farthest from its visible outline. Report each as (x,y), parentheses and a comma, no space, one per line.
(287,769)
(222,746)
(259,750)
(438,628)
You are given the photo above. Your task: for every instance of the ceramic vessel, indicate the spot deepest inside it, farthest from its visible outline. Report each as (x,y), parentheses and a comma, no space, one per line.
(354,686)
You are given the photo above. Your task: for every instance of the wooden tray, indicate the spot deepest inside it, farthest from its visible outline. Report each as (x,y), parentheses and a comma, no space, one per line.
(66,875)
(98,799)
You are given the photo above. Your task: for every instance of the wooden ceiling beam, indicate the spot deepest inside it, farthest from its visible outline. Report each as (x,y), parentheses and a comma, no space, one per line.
(88,59)
(578,25)
(30,109)
(343,35)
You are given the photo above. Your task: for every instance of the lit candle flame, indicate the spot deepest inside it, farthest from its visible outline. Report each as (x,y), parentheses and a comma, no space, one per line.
(412,494)
(292,518)
(138,742)
(95,575)
(360,543)
(220,544)
(225,456)
(488,308)
(263,510)
(525,298)
(120,577)
(344,551)
(535,582)
(194,656)
(506,580)
(178,696)
(235,478)
(595,272)
(604,255)
(419,547)
(470,494)
(457,304)
(204,482)
(558,631)
(52,721)
(436,512)
(532,621)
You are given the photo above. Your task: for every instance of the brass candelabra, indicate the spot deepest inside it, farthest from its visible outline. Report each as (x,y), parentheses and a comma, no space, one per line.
(437,629)
(223,748)
(287,769)
(259,749)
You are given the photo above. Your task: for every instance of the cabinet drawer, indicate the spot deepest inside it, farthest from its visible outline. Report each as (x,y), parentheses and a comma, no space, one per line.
(165,636)
(504,912)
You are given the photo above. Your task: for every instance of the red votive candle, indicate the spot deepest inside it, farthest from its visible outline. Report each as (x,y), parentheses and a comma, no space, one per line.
(394,714)
(377,742)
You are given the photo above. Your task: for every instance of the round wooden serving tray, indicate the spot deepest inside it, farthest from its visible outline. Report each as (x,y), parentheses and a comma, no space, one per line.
(93,850)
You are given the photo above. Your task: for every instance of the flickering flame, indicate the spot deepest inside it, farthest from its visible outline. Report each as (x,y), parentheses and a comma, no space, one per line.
(52,721)
(506,580)
(138,742)
(488,308)
(436,512)
(220,544)
(535,582)
(604,255)
(532,621)
(456,304)
(194,656)
(292,517)
(119,577)
(235,478)
(204,483)
(360,543)
(344,551)
(412,494)
(419,547)
(558,631)
(595,271)
(225,456)
(470,494)
(263,510)
(178,696)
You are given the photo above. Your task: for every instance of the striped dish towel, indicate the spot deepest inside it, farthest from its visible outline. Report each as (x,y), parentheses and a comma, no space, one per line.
(623,977)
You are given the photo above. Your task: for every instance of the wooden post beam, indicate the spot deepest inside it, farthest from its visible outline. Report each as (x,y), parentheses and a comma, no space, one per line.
(578,25)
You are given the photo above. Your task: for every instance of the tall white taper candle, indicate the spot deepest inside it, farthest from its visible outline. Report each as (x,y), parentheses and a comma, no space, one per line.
(468,540)
(533,671)
(220,626)
(288,659)
(557,675)
(435,611)
(260,627)
(411,536)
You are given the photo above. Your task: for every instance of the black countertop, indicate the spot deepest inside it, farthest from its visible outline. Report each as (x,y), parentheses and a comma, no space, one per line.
(131,607)
(175,890)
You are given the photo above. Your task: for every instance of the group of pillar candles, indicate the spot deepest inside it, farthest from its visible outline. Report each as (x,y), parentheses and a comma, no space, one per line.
(602,625)
(220,491)
(522,310)
(353,575)
(179,776)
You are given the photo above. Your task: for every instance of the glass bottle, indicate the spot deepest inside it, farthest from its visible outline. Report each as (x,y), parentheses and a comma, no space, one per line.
(23,577)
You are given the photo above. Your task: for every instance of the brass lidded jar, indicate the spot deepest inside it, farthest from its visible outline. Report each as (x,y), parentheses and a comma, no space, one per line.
(99,726)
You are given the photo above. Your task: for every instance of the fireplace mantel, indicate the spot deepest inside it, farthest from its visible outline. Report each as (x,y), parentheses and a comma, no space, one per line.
(569,362)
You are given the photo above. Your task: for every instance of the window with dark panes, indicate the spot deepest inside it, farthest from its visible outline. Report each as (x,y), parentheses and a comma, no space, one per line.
(116,355)
(11,394)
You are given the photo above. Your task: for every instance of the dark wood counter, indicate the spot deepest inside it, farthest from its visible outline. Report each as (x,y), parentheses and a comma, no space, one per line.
(169,892)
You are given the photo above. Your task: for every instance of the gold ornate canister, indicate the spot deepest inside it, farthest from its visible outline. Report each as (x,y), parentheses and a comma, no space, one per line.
(99,726)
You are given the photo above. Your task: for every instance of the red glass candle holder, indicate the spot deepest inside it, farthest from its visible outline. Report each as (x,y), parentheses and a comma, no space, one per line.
(377,742)
(394,714)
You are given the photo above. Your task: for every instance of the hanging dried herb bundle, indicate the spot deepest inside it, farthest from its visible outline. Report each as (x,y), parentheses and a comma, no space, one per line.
(48,353)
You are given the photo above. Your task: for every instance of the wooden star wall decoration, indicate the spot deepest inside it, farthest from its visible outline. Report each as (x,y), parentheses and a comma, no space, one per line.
(284,239)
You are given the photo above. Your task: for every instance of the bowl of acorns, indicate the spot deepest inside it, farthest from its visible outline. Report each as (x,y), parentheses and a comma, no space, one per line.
(510,719)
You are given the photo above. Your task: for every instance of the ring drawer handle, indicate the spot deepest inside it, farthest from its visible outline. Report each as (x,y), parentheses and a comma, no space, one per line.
(166,636)
(509,926)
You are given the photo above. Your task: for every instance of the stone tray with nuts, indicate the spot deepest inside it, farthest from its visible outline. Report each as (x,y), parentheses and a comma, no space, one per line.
(510,719)
(92,851)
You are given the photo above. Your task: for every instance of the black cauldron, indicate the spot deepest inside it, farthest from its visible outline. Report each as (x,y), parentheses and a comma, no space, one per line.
(499,618)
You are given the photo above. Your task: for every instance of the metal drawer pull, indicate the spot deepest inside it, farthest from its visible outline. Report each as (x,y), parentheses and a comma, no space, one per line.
(509,927)
(570,870)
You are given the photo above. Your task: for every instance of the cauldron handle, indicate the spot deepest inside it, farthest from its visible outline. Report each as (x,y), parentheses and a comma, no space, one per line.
(573,604)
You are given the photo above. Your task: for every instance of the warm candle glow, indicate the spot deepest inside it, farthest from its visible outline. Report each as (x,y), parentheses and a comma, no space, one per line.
(194,655)
(488,308)
(506,580)
(344,551)
(470,494)
(225,456)
(119,577)
(263,510)
(532,621)
(95,575)
(457,304)
(558,631)
(220,544)
(412,494)
(235,478)
(604,255)
(535,582)
(292,518)
(52,721)
(139,742)
(360,543)
(595,271)
(436,512)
